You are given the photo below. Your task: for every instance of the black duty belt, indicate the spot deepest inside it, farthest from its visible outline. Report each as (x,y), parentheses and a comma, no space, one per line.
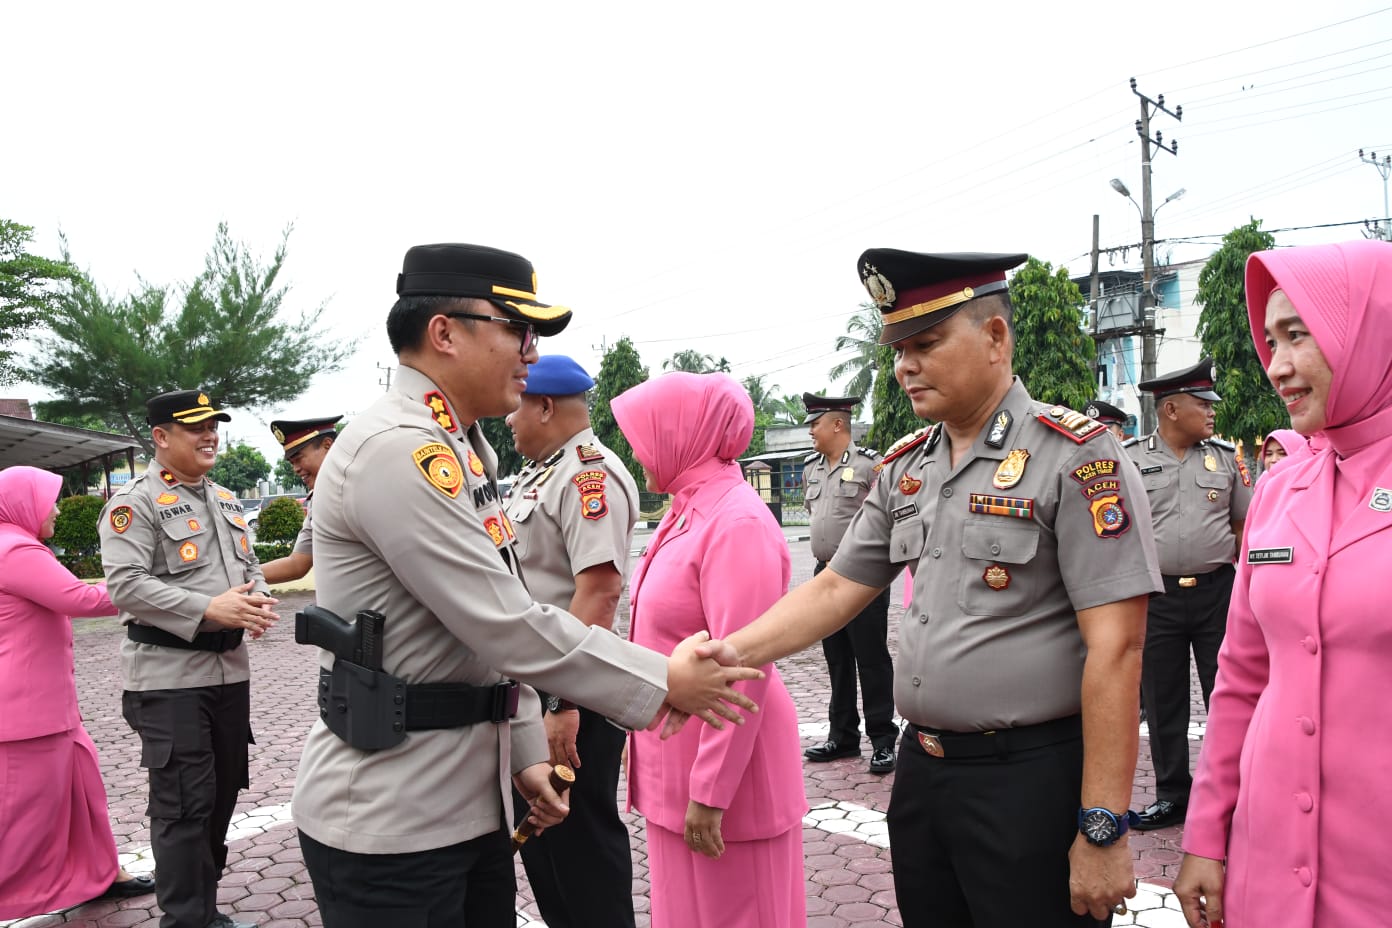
(217,642)
(451,705)
(1175,582)
(999,743)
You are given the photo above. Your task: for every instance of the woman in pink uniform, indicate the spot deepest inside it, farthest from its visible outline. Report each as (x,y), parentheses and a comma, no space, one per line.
(1288,823)
(724,808)
(56,847)
(1279,445)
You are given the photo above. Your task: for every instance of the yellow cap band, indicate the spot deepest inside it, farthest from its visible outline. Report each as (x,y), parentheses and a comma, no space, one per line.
(932,306)
(508,291)
(542,313)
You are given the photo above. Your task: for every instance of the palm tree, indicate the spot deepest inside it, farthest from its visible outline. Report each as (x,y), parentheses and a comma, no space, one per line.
(862,335)
(693,361)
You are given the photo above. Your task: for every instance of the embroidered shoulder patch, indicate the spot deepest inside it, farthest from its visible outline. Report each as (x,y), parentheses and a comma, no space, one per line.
(1242,470)
(1109,515)
(440,410)
(1075,425)
(588,454)
(905,444)
(120,519)
(590,483)
(439,465)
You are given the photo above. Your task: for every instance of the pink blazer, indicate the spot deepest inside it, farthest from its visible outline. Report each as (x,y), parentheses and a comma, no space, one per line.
(717,565)
(1292,780)
(38,597)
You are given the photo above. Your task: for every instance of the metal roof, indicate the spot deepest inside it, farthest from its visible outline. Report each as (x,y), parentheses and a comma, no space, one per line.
(56,447)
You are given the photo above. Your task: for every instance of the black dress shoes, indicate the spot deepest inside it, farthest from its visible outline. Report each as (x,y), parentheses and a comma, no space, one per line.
(1160,814)
(830,750)
(882,760)
(222,920)
(129,889)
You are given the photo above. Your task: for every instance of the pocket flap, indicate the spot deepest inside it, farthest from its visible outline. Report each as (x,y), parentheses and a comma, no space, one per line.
(1009,541)
(155,752)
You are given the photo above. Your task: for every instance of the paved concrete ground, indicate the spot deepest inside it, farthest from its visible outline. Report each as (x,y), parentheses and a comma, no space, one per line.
(847,855)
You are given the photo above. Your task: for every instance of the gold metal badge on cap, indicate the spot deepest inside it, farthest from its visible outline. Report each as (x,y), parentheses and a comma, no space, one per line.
(1011,470)
(279,435)
(878,286)
(202,399)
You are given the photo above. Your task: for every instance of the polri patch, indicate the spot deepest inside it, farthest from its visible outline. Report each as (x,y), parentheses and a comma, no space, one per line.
(188,552)
(1013,506)
(1109,516)
(590,483)
(904,512)
(475,463)
(1270,555)
(439,465)
(588,454)
(1101,486)
(1381,500)
(909,485)
(120,519)
(1104,467)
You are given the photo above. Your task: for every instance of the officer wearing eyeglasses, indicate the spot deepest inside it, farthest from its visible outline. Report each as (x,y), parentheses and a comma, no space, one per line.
(408,522)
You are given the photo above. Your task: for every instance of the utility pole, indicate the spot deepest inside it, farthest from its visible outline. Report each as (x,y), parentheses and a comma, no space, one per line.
(1095,295)
(1383,229)
(385,380)
(1147,302)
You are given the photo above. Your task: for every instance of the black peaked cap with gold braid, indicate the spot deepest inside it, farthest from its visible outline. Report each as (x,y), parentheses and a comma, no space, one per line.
(504,279)
(186,406)
(915,291)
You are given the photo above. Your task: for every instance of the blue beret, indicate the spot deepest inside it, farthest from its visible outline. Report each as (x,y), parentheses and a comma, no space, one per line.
(557,375)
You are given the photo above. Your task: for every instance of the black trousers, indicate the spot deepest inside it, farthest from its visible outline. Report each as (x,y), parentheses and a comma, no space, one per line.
(581,871)
(983,842)
(861,647)
(194,744)
(1184,619)
(466,885)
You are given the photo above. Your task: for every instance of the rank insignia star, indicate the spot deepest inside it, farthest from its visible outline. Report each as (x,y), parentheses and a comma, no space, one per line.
(439,409)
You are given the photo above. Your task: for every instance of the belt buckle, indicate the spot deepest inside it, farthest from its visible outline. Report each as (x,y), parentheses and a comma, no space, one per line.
(505,697)
(930,744)
(1187,582)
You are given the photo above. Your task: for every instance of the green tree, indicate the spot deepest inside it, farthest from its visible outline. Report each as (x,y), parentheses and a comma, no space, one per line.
(75,532)
(223,332)
(1250,407)
(894,415)
(285,476)
(1053,352)
(240,468)
(620,370)
(28,290)
(862,337)
(694,362)
(279,522)
(500,437)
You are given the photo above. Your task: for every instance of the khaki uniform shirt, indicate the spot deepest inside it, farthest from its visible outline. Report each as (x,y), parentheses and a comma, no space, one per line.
(407,521)
(1193,502)
(304,541)
(167,549)
(833,492)
(574,510)
(1032,526)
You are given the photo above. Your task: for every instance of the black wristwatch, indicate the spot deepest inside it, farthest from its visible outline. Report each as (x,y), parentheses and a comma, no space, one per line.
(557,704)
(1102,827)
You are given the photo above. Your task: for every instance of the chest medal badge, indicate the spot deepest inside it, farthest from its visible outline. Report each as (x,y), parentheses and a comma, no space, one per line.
(1011,470)
(848,474)
(1209,462)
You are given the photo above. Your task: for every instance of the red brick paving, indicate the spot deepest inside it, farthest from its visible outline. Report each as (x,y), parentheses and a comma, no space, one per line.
(848,881)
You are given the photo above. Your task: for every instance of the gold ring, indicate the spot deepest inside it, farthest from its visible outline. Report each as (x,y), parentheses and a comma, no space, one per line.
(1119,908)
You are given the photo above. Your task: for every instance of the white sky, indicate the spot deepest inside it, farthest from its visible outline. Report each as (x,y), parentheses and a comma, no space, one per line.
(693,176)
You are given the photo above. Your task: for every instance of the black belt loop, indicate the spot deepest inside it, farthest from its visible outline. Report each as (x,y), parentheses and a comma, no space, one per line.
(219,642)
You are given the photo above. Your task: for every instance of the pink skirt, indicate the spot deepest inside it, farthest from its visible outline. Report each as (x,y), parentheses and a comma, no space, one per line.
(754,884)
(56,847)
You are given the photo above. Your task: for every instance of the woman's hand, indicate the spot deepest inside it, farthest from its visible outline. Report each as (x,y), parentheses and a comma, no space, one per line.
(702,830)
(1199,888)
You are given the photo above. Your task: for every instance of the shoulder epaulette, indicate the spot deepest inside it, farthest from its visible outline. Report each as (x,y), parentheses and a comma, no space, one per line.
(1074,425)
(870,453)
(588,453)
(905,444)
(1133,440)
(1225,445)
(811,457)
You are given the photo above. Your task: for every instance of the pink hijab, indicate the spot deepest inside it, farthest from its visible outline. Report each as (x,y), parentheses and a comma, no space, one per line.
(1290,441)
(27,495)
(686,427)
(1343,293)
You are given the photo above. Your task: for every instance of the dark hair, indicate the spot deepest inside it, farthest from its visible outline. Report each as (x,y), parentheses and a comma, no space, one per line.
(992,304)
(407,318)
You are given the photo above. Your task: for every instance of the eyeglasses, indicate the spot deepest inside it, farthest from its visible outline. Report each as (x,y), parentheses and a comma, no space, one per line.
(528,334)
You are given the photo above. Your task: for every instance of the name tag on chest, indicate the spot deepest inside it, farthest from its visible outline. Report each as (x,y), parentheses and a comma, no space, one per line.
(1153,469)
(1269,555)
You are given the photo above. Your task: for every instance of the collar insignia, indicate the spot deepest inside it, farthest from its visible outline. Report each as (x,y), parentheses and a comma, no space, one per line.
(168,478)
(1000,428)
(440,410)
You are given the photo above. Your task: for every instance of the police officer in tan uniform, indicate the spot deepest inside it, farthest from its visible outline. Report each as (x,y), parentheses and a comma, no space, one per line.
(1199,492)
(1019,654)
(836,479)
(573,509)
(1110,416)
(305,441)
(180,567)
(413,830)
